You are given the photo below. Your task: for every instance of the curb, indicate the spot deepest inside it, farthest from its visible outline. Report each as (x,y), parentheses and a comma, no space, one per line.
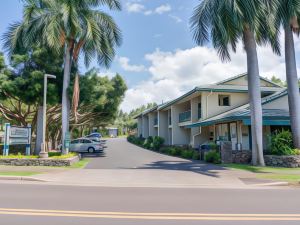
(280,183)
(21,178)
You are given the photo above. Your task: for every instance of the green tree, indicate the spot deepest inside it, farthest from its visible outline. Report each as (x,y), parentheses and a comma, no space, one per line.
(288,16)
(74,27)
(226,22)
(278,81)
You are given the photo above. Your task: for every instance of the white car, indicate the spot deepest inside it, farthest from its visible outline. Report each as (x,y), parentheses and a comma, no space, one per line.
(84,145)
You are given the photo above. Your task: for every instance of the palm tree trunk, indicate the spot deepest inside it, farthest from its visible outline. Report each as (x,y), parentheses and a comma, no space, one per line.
(65,108)
(292,83)
(255,98)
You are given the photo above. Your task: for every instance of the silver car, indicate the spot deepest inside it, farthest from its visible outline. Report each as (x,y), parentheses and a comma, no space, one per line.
(84,145)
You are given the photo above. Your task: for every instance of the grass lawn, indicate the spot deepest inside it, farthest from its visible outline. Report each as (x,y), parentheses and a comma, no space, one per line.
(291,175)
(18,173)
(81,164)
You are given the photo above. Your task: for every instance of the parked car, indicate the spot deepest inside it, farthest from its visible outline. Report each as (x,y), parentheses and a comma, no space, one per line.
(84,145)
(94,137)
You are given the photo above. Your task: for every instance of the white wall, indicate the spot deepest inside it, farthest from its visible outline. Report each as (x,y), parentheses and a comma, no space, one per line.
(140,126)
(145,126)
(180,135)
(163,126)
(152,117)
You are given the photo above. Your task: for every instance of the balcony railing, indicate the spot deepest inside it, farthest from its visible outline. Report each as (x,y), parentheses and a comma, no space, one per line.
(155,121)
(185,116)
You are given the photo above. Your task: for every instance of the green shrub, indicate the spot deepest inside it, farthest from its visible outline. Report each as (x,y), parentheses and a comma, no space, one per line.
(148,142)
(157,143)
(196,155)
(282,144)
(135,140)
(187,154)
(212,157)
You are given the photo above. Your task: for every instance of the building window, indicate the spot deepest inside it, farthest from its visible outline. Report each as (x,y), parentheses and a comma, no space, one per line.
(224,100)
(199,110)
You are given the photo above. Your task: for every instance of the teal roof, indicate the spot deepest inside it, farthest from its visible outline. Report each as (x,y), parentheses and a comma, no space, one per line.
(269,116)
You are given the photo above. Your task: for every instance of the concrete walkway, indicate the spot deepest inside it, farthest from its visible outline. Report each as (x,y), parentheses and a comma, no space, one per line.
(126,165)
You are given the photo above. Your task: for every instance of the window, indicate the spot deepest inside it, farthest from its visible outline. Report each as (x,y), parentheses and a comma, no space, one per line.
(75,142)
(199,110)
(224,100)
(86,141)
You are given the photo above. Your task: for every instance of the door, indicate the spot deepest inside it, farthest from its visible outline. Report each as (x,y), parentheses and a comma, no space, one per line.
(245,138)
(233,135)
(74,146)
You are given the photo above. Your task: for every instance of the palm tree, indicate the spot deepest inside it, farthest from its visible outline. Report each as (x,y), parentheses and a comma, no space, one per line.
(227,22)
(288,15)
(72,26)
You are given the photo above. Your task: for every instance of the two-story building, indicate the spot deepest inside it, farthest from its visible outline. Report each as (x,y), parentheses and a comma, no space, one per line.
(216,112)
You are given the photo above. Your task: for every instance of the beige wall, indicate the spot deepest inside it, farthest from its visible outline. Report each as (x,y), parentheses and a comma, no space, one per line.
(244,82)
(236,99)
(280,103)
(199,136)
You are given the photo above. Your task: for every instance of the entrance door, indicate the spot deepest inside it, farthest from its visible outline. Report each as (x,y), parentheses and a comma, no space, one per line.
(233,135)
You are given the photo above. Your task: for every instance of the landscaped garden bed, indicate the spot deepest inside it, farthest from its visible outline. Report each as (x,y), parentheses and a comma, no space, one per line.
(55,159)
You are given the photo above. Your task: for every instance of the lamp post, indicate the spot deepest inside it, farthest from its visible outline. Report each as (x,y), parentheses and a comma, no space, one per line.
(43,153)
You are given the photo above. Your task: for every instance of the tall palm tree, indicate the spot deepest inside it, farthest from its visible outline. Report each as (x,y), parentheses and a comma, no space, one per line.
(288,16)
(226,22)
(73,26)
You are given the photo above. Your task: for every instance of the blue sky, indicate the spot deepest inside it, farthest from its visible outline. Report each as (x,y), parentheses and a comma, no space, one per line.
(158,57)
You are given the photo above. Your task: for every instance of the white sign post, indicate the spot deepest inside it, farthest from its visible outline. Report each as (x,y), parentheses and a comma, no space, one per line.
(15,135)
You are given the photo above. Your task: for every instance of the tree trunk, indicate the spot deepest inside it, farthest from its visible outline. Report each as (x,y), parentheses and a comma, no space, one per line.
(65,108)
(292,83)
(255,98)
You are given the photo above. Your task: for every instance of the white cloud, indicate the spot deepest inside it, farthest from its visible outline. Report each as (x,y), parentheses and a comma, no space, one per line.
(176,18)
(163,9)
(173,73)
(124,63)
(133,7)
(108,74)
(137,7)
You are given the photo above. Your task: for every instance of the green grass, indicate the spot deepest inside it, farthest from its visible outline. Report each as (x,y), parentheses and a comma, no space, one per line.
(291,175)
(81,164)
(18,173)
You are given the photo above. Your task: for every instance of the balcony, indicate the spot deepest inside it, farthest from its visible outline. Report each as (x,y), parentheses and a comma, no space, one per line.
(185,117)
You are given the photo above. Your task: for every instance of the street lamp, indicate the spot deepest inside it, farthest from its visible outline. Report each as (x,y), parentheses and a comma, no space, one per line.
(43,153)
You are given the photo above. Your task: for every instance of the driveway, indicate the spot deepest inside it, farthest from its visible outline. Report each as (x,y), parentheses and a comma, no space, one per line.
(125,165)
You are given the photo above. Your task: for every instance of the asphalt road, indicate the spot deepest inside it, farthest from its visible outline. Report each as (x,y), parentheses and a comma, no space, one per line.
(119,154)
(34,205)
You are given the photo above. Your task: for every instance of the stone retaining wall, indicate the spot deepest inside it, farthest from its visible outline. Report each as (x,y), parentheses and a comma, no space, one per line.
(243,157)
(290,161)
(39,162)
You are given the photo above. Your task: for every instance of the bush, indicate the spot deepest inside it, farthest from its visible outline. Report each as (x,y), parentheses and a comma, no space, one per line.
(196,155)
(187,154)
(148,142)
(135,140)
(282,144)
(157,143)
(212,157)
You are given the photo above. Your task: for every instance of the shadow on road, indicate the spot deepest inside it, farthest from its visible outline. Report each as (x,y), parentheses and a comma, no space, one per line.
(93,155)
(193,166)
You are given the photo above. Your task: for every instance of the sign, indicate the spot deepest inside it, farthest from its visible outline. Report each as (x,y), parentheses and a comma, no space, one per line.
(15,135)
(19,135)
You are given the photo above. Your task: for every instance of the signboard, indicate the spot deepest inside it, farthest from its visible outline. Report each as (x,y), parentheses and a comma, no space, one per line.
(15,135)
(19,135)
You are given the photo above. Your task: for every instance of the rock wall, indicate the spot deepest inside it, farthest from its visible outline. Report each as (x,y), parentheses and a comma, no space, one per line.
(290,161)
(39,162)
(243,157)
